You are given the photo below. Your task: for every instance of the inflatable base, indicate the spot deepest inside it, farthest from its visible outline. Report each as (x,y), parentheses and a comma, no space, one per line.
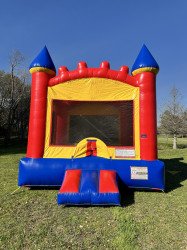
(132,173)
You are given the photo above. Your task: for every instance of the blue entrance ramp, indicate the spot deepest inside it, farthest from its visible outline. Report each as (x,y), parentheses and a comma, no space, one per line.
(90,187)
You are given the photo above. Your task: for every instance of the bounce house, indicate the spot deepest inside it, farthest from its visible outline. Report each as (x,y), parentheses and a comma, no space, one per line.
(91,129)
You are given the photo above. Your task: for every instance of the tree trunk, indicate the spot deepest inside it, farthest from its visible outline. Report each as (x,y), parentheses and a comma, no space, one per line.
(174,141)
(7,134)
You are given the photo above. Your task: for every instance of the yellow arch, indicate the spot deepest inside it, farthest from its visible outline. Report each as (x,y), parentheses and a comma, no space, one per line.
(81,148)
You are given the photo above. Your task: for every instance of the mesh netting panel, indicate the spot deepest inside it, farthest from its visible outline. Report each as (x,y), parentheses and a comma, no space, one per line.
(111,122)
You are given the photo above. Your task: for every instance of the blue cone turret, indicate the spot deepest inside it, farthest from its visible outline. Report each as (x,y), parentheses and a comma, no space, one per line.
(145,62)
(43,62)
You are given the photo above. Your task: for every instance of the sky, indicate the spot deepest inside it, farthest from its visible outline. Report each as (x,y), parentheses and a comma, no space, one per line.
(100,30)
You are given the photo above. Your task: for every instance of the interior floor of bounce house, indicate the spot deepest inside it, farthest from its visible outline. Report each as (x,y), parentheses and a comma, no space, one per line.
(92,131)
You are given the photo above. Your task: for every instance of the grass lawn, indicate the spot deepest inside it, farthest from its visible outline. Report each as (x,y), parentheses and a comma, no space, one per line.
(31,219)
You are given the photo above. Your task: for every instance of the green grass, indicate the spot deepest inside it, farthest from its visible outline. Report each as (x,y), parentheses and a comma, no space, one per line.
(165,142)
(31,219)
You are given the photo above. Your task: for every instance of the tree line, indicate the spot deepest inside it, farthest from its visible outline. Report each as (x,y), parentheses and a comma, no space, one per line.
(15,102)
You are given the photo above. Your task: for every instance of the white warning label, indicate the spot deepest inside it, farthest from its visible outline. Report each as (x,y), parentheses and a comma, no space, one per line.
(139,173)
(124,153)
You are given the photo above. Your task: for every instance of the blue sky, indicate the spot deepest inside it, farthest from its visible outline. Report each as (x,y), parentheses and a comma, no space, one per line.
(98,30)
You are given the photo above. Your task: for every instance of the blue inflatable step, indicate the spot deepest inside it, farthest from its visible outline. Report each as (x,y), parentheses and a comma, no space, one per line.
(89,187)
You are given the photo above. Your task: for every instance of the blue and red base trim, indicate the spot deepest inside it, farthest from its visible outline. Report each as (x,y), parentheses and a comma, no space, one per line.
(50,172)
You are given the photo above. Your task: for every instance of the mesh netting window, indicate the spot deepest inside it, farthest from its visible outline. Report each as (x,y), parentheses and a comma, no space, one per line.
(111,122)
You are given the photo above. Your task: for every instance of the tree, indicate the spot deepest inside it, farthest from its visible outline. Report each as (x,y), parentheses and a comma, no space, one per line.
(14,97)
(22,111)
(173,120)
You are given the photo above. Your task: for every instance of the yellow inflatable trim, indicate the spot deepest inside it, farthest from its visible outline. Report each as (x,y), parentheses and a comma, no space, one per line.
(145,69)
(42,69)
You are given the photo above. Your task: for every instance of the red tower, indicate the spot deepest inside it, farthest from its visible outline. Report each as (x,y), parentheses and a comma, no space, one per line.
(145,69)
(42,69)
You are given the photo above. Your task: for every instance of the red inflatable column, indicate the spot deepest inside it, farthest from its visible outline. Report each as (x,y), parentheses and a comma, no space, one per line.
(42,69)
(37,120)
(61,126)
(144,70)
(148,121)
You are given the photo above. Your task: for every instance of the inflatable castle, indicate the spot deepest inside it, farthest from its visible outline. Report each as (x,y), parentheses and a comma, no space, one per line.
(91,129)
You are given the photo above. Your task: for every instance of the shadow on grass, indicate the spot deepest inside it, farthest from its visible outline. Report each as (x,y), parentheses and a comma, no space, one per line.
(175,173)
(127,194)
(14,147)
(44,187)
